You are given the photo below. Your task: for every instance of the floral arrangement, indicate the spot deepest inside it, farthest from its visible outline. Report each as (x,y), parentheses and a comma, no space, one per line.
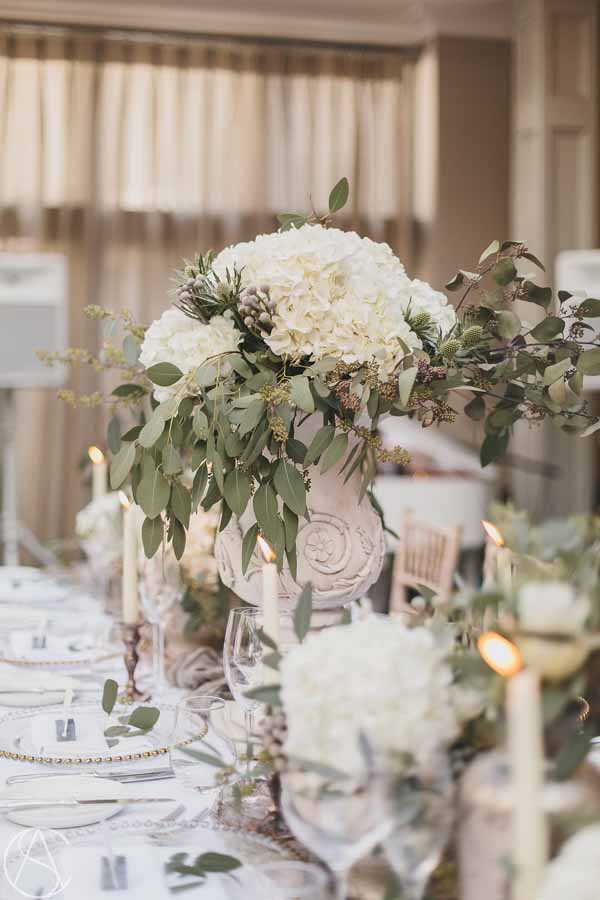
(314,320)
(99,527)
(398,690)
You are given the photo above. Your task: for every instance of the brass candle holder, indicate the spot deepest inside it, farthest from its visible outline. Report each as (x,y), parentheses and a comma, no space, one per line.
(131,633)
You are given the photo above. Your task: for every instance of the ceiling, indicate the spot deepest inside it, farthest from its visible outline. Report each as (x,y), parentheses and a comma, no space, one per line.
(391,22)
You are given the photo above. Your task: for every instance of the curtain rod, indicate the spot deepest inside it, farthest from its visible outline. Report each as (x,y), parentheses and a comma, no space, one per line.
(136,34)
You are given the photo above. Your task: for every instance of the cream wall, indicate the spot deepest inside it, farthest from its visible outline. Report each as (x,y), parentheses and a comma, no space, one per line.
(461,153)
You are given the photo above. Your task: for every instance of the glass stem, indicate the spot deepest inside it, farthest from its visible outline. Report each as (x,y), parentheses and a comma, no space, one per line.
(159,656)
(249,724)
(340,883)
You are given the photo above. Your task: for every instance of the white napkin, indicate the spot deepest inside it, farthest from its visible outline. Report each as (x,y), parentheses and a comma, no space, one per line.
(37,593)
(11,616)
(58,647)
(19,679)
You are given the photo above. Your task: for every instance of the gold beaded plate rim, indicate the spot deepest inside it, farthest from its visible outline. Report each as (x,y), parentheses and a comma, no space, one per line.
(50,663)
(89,760)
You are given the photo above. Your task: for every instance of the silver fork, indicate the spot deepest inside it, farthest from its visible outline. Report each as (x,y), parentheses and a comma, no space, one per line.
(124,777)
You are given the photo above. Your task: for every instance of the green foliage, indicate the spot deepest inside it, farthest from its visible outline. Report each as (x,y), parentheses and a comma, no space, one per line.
(109,695)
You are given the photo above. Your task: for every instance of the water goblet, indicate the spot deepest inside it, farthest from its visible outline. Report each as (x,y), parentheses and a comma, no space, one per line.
(201,733)
(159,593)
(243,662)
(423,814)
(340,821)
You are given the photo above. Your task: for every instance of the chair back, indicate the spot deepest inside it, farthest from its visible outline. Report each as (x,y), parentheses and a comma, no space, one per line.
(427,554)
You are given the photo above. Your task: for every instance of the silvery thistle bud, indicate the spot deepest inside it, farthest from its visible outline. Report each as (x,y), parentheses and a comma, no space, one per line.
(272,304)
(251,289)
(249,321)
(185,295)
(190,282)
(265,318)
(264,288)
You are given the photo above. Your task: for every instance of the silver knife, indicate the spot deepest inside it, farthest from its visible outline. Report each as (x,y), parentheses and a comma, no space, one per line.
(29,803)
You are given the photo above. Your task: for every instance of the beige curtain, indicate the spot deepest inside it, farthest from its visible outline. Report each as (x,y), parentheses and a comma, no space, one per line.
(130,153)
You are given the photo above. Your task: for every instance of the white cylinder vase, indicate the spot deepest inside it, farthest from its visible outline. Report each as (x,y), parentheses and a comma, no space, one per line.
(340,551)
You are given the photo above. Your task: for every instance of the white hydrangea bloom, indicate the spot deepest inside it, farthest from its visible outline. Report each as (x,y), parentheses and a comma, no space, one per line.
(337,294)
(552,607)
(374,676)
(99,527)
(575,872)
(187,343)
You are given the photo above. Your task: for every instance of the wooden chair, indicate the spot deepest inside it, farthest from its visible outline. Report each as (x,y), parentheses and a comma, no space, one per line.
(427,554)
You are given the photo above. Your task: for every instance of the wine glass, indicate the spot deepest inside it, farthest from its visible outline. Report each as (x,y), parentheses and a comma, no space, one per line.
(339,821)
(200,725)
(160,590)
(244,670)
(423,814)
(286,880)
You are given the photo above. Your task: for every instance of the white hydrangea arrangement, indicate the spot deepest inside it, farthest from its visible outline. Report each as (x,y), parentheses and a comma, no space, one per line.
(374,677)
(99,527)
(312,320)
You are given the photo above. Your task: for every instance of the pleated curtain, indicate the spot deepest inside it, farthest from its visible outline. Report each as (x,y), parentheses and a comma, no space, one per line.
(131,152)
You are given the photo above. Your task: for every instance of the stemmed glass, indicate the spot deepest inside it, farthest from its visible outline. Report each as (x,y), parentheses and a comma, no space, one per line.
(200,723)
(423,815)
(242,657)
(339,821)
(160,590)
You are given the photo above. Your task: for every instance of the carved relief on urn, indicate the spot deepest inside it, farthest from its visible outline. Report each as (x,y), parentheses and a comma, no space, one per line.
(340,550)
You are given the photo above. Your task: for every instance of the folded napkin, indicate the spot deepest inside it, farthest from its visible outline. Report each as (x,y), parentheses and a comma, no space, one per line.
(57,646)
(201,668)
(11,616)
(19,679)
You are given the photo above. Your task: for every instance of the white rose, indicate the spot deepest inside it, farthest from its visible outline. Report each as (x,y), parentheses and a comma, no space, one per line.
(551,607)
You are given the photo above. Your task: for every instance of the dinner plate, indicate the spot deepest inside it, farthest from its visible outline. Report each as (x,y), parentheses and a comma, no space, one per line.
(80,787)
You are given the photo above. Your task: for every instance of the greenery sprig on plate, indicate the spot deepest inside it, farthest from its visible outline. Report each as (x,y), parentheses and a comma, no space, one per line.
(135,724)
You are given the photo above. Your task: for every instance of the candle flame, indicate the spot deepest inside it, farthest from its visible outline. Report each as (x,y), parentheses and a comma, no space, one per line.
(96,455)
(266,550)
(125,501)
(493,533)
(500,654)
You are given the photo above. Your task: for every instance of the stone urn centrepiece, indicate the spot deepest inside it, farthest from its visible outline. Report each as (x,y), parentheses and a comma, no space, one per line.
(340,551)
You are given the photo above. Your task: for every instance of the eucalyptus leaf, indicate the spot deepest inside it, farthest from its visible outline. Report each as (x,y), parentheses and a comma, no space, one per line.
(536,294)
(290,524)
(199,486)
(301,394)
(508,324)
(172,462)
(217,862)
(589,362)
(237,490)
(206,375)
(153,429)
(406,381)
(290,486)
(109,695)
(265,504)
(475,409)
(319,443)
(164,374)
(504,271)
(113,435)
(152,535)
(153,494)
(303,612)
(557,370)
(590,308)
(131,349)
(334,452)
(200,423)
(181,503)
(121,465)
(494,247)
(493,447)
(339,195)
(251,417)
(248,546)
(548,328)
(144,717)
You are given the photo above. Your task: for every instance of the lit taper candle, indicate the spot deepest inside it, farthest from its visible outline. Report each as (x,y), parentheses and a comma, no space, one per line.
(526,753)
(270,591)
(99,472)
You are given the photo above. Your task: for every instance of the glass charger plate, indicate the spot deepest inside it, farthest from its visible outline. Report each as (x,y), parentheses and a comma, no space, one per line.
(16,740)
(94,656)
(193,836)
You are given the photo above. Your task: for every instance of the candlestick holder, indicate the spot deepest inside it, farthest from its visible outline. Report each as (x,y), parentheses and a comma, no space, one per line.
(131,633)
